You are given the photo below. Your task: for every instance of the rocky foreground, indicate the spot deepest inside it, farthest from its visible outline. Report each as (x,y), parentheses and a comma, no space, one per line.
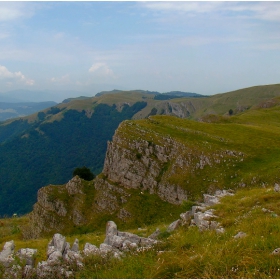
(63,259)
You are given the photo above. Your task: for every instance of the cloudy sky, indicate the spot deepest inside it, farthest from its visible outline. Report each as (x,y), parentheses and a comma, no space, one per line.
(202,47)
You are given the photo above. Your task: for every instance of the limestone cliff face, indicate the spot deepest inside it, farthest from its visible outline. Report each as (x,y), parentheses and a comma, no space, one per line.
(57,206)
(144,157)
(140,158)
(139,164)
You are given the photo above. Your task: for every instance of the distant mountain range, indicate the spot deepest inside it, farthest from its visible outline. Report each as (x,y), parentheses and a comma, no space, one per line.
(14,110)
(171,93)
(18,96)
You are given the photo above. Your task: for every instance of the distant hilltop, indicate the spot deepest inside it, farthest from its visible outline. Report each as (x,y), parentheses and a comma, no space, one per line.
(171,93)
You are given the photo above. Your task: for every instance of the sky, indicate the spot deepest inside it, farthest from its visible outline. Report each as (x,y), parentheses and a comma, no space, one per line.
(201,47)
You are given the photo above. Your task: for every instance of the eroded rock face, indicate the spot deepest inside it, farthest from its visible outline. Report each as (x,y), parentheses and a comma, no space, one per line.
(132,162)
(56,206)
(145,172)
(74,186)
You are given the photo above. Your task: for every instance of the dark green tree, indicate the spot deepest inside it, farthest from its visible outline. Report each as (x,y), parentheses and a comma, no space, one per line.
(230,112)
(84,173)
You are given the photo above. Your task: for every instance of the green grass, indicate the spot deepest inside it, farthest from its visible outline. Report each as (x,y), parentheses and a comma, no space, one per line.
(255,134)
(194,254)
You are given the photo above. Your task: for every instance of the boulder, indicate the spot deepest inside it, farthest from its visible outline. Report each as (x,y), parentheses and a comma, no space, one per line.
(90,249)
(72,257)
(155,234)
(6,256)
(133,238)
(58,243)
(276,251)
(106,250)
(75,247)
(147,242)
(111,230)
(200,221)
(174,225)
(128,246)
(276,188)
(13,272)
(28,255)
(196,209)
(28,272)
(8,249)
(186,217)
(44,270)
(55,257)
(210,200)
(240,235)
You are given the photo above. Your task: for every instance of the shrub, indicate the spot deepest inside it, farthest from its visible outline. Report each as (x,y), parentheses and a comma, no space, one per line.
(84,173)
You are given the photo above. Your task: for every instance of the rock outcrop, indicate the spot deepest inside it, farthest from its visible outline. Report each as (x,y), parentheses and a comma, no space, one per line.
(57,206)
(138,158)
(201,216)
(63,260)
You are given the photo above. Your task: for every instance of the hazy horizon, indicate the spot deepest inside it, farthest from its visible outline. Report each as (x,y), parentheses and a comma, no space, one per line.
(201,47)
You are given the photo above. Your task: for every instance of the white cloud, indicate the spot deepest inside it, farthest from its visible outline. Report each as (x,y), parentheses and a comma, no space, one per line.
(14,77)
(61,80)
(101,69)
(264,10)
(185,6)
(10,11)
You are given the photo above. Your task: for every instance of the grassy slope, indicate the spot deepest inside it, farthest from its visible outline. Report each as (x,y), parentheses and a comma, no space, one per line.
(255,134)
(189,252)
(235,100)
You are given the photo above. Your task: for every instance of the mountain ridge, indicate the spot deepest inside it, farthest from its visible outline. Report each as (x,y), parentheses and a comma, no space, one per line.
(66,135)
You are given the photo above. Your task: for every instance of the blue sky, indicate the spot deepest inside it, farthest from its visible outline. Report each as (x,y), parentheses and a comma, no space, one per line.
(202,47)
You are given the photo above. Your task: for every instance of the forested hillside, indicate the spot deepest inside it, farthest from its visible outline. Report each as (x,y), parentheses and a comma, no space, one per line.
(48,152)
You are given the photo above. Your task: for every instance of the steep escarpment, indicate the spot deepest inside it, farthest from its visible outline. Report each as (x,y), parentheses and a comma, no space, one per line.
(155,167)
(60,207)
(141,157)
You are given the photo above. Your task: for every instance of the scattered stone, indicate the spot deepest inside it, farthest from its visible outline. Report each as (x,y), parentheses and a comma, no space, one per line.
(276,188)
(133,238)
(55,257)
(72,257)
(147,242)
(240,235)
(155,234)
(210,200)
(276,252)
(220,230)
(174,225)
(13,272)
(186,218)
(265,210)
(28,255)
(90,249)
(58,242)
(75,247)
(28,272)
(111,230)
(196,209)
(6,256)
